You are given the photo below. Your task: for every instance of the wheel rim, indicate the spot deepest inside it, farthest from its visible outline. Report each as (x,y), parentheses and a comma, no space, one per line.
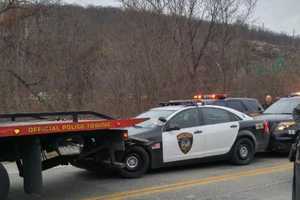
(132,162)
(244,152)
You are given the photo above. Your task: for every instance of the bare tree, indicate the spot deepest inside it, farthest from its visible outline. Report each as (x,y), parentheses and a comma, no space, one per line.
(198,26)
(14,13)
(123,61)
(232,15)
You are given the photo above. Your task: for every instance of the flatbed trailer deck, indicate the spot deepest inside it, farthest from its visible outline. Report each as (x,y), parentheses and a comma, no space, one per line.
(40,141)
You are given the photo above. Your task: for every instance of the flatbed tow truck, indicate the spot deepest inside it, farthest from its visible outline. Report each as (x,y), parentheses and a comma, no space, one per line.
(40,141)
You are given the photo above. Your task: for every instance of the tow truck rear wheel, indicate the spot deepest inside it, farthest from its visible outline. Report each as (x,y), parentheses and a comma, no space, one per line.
(136,162)
(4,183)
(243,152)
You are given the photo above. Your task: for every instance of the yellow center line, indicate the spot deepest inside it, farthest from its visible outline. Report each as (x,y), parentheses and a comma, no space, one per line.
(191,183)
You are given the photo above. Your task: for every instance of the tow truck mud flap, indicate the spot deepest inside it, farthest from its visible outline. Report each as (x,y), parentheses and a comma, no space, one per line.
(4,183)
(32,165)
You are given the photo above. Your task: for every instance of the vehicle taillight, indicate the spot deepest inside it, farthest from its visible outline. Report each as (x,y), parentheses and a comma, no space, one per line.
(125,136)
(266,127)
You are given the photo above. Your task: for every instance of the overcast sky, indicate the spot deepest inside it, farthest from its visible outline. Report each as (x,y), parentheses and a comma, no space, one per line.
(277,15)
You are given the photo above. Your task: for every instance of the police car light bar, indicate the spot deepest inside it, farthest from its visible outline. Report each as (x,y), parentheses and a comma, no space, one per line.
(180,103)
(210,96)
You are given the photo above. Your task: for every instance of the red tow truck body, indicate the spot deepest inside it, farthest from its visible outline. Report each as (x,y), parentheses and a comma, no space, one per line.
(40,141)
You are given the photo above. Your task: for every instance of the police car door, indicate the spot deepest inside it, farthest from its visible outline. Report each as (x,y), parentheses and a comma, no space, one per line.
(180,136)
(220,130)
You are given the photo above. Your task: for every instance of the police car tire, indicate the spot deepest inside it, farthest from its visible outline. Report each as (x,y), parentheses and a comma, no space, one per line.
(4,183)
(236,157)
(143,160)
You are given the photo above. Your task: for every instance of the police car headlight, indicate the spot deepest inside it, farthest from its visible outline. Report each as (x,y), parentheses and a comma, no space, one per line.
(285,125)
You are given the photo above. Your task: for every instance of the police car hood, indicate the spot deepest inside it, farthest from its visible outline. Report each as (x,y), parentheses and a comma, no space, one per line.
(153,133)
(274,117)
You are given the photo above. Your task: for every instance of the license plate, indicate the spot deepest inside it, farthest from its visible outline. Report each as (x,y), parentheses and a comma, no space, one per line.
(292,132)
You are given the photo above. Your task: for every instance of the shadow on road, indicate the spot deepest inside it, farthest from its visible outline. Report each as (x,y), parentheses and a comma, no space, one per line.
(271,155)
(72,183)
(219,164)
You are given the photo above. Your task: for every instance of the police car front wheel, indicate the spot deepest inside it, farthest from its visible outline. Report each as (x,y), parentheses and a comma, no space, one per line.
(136,162)
(243,152)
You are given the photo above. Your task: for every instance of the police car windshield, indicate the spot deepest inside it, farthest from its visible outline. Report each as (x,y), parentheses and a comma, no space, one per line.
(283,106)
(154,115)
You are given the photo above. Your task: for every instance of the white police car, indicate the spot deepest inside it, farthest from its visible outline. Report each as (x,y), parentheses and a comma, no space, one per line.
(189,133)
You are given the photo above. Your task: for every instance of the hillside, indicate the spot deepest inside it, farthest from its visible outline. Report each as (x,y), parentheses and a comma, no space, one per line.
(122,61)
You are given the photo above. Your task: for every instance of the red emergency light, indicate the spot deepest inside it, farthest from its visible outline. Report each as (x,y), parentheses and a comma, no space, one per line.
(210,96)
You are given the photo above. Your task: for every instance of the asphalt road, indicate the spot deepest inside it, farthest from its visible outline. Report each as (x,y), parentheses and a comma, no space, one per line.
(269,177)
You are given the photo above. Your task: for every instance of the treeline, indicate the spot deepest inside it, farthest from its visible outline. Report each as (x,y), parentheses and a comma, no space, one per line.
(122,61)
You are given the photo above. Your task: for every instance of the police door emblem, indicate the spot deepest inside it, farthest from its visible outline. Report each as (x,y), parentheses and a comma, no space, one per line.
(185,142)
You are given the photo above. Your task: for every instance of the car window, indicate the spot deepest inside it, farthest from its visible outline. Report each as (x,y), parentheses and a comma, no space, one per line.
(253,106)
(237,105)
(219,103)
(216,116)
(283,106)
(185,119)
(208,101)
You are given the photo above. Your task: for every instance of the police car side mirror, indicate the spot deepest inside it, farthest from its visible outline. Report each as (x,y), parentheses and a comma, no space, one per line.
(172,128)
(162,119)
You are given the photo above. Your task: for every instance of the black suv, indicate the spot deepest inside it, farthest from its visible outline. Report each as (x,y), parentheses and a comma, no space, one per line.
(281,123)
(248,106)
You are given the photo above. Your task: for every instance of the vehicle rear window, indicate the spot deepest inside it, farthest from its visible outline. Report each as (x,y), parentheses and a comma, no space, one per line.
(216,102)
(253,106)
(237,105)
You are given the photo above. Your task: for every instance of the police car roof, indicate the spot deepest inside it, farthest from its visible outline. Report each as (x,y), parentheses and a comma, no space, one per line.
(240,98)
(179,107)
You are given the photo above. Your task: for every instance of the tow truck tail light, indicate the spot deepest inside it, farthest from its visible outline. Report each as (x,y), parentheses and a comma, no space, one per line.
(125,136)
(266,127)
